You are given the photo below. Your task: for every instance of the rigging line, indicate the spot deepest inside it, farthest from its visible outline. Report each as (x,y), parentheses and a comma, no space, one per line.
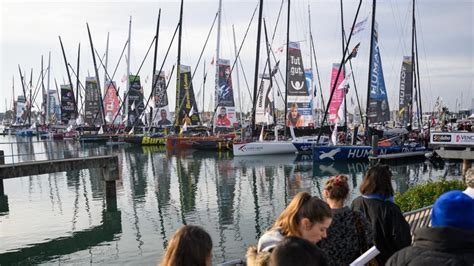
(317,72)
(333,89)
(80,83)
(204,47)
(108,76)
(235,61)
(155,81)
(134,79)
(245,78)
(424,48)
(120,58)
(166,88)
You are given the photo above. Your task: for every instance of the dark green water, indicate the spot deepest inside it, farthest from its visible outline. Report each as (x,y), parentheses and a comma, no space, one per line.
(63,217)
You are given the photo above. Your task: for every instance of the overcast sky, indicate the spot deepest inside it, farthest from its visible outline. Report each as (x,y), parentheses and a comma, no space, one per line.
(445,28)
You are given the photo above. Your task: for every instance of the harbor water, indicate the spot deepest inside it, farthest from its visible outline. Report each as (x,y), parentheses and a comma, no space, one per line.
(63,217)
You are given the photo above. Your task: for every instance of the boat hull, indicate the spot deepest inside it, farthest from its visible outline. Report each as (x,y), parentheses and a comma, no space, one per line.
(264,148)
(146,140)
(347,153)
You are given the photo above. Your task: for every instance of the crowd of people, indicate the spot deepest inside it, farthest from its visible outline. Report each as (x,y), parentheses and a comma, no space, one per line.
(312,231)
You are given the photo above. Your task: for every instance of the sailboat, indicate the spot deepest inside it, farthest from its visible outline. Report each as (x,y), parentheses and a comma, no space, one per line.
(377,112)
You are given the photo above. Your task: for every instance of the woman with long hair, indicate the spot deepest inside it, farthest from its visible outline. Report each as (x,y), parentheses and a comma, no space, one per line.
(306,217)
(190,245)
(350,234)
(391,230)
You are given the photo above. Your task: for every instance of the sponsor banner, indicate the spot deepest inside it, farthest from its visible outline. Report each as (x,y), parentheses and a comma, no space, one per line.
(264,108)
(186,107)
(135,101)
(378,109)
(20,111)
(92,111)
(161,114)
(452,138)
(296,75)
(67,104)
(338,95)
(225,97)
(405,96)
(54,107)
(111,103)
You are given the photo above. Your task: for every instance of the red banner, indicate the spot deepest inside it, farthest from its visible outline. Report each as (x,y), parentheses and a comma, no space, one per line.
(338,94)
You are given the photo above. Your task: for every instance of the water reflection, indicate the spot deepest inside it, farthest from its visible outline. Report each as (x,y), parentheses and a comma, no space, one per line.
(234,198)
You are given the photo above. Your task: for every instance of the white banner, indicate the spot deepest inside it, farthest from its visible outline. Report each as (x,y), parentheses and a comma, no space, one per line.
(452,138)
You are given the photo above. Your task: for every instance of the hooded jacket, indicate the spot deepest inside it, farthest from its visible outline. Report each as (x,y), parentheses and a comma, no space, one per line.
(391,230)
(438,246)
(260,255)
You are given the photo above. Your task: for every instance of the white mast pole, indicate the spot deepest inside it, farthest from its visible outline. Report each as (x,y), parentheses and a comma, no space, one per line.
(218,51)
(128,66)
(47,89)
(106,62)
(238,78)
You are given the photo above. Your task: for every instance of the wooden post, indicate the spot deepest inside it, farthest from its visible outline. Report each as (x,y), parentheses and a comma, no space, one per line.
(375,151)
(466,164)
(3,197)
(354,135)
(110,174)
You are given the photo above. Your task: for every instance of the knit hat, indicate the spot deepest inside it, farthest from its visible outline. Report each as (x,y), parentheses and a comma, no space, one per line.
(453,209)
(470,177)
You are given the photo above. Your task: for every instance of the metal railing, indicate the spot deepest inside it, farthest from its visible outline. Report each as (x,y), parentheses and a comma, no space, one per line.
(418,218)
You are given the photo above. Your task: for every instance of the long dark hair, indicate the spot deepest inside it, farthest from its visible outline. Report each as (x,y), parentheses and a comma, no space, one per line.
(378,180)
(190,245)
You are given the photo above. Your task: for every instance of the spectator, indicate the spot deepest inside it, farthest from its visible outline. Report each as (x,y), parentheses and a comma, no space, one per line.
(190,245)
(350,234)
(306,217)
(391,230)
(296,251)
(449,240)
(470,182)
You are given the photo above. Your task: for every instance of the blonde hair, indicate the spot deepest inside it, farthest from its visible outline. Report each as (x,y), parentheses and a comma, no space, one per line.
(302,206)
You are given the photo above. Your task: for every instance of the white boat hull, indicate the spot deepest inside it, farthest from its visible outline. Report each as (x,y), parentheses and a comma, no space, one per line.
(264,148)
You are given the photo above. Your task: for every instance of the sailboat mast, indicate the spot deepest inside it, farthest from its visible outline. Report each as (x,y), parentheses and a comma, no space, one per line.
(154,81)
(219,12)
(76,110)
(106,62)
(267,44)
(43,89)
(343,65)
(102,111)
(128,66)
(418,74)
(287,62)
(370,70)
(257,57)
(178,70)
(77,75)
(313,89)
(413,82)
(47,88)
(238,77)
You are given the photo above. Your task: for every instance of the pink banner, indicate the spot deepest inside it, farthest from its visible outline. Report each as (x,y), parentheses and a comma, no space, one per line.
(111,103)
(338,94)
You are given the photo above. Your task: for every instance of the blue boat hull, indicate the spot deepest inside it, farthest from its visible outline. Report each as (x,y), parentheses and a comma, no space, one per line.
(345,153)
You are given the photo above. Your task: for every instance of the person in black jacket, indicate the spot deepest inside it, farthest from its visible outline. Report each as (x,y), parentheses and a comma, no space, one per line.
(449,240)
(391,230)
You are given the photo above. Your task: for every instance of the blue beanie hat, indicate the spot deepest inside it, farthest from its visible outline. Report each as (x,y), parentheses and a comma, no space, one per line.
(453,209)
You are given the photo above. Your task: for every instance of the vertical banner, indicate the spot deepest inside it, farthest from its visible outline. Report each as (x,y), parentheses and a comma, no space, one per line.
(265,105)
(54,107)
(378,108)
(338,95)
(186,106)
(20,111)
(135,101)
(67,104)
(405,96)
(161,115)
(225,116)
(111,103)
(299,100)
(92,111)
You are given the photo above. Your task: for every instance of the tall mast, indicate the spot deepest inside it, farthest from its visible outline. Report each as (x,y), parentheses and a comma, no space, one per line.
(76,110)
(47,89)
(77,75)
(128,65)
(418,74)
(287,62)
(257,57)
(178,70)
(106,62)
(238,77)
(370,69)
(344,65)
(267,44)
(102,111)
(218,52)
(413,81)
(43,89)
(155,82)
(312,90)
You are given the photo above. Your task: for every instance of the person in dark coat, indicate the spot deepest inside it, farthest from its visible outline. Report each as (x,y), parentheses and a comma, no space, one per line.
(391,230)
(449,240)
